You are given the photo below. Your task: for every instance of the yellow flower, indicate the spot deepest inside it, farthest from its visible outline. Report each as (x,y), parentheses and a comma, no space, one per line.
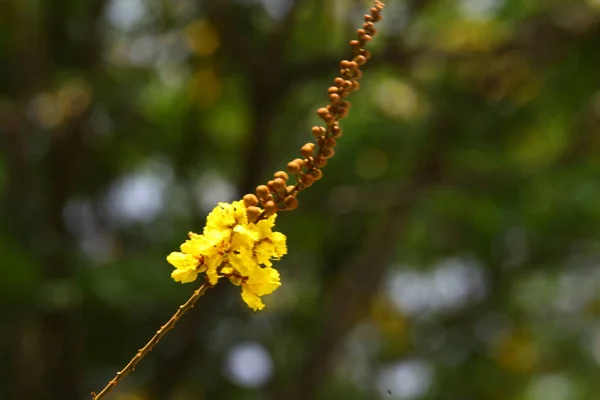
(187,267)
(263,281)
(231,246)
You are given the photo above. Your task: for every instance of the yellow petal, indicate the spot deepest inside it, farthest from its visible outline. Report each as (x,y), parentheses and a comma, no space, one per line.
(183,261)
(212,263)
(264,281)
(184,275)
(251,299)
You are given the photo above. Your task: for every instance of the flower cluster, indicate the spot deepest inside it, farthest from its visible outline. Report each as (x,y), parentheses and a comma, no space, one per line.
(235,248)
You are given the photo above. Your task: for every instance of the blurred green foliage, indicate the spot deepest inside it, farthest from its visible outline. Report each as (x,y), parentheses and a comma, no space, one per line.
(450,252)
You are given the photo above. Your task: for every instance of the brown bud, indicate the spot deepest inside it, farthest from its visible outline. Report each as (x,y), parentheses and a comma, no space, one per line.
(366,38)
(317,174)
(336,131)
(361,32)
(361,60)
(307,150)
(270,207)
(358,73)
(355,85)
(262,192)
(334,98)
(368,18)
(355,43)
(291,203)
(368,25)
(308,162)
(270,184)
(332,89)
(253,213)
(279,185)
(323,113)
(347,84)
(320,162)
(330,142)
(250,200)
(308,180)
(282,175)
(374,11)
(290,189)
(327,152)
(365,53)
(318,131)
(345,64)
(293,167)
(270,198)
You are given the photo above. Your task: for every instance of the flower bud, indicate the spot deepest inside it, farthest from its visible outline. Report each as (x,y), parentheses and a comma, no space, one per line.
(318,131)
(324,113)
(279,184)
(317,174)
(262,192)
(282,175)
(330,142)
(250,200)
(327,152)
(307,150)
(291,203)
(270,207)
(293,167)
(308,180)
(320,162)
(253,213)
(336,131)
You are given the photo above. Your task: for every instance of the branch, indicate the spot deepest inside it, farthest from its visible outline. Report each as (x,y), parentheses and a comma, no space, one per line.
(153,342)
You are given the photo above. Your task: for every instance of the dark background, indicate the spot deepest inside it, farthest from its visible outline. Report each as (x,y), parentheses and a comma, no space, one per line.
(451,250)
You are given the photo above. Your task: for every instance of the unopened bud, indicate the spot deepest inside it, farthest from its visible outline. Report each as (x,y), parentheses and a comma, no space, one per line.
(253,213)
(293,168)
(291,203)
(318,131)
(327,152)
(336,131)
(317,174)
(278,184)
(282,175)
(270,207)
(250,200)
(320,162)
(262,192)
(307,150)
(330,142)
(308,180)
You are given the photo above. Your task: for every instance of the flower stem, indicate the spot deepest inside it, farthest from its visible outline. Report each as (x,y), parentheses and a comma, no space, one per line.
(152,342)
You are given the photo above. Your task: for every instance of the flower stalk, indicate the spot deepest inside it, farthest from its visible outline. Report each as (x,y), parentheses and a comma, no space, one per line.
(152,342)
(238,242)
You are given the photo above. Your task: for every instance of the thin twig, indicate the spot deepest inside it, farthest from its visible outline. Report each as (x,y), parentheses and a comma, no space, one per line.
(152,342)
